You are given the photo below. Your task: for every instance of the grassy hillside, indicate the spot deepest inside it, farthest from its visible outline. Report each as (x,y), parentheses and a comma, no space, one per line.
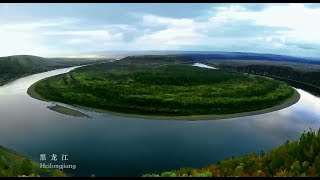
(13,164)
(12,67)
(165,86)
(293,158)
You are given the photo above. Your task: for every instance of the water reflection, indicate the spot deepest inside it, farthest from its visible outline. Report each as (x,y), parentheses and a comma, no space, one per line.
(109,145)
(22,84)
(203,66)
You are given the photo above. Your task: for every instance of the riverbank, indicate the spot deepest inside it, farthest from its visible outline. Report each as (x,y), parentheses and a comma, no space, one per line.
(315,90)
(57,108)
(289,102)
(67,111)
(31,91)
(7,81)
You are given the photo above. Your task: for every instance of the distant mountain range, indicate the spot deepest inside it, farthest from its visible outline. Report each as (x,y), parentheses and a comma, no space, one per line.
(214,55)
(252,56)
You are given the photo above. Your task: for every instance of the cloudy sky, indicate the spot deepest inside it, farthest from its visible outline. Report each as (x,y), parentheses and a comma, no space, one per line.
(69,29)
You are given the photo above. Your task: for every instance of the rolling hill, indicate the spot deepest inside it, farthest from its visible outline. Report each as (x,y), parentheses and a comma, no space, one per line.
(13,67)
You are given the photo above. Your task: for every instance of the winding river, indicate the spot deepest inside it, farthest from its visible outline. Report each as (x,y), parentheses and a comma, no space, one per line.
(110,145)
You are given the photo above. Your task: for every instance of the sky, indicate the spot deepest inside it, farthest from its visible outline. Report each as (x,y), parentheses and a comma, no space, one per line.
(55,30)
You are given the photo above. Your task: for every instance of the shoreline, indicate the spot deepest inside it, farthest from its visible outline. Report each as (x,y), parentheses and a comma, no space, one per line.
(289,102)
(57,108)
(28,74)
(67,111)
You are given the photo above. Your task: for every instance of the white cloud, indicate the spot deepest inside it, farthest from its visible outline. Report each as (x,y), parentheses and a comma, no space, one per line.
(121,27)
(98,35)
(14,43)
(291,23)
(26,38)
(28,26)
(152,20)
(169,38)
(285,28)
(77,41)
(175,32)
(303,22)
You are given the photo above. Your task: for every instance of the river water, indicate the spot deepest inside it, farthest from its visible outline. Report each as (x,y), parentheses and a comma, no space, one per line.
(109,145)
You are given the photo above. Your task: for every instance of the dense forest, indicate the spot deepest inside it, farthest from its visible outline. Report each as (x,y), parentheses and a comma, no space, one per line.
(280,71)
(163,85)
(275,66)
(12,67)
(300,75)
(293,158)
(14,164)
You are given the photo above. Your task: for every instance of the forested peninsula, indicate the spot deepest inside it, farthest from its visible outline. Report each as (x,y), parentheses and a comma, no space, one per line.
(163,86)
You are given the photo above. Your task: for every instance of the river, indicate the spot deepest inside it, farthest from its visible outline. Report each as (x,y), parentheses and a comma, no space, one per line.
(110,145)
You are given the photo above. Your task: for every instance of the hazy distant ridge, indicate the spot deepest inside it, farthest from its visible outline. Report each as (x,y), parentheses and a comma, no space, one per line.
(214,55)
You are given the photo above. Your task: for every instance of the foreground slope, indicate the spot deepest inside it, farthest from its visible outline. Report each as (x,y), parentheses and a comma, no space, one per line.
(293,158)
(13,164)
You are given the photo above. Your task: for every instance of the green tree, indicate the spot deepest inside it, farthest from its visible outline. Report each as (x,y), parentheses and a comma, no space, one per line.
(26,167)
(295,169)
(168,174)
